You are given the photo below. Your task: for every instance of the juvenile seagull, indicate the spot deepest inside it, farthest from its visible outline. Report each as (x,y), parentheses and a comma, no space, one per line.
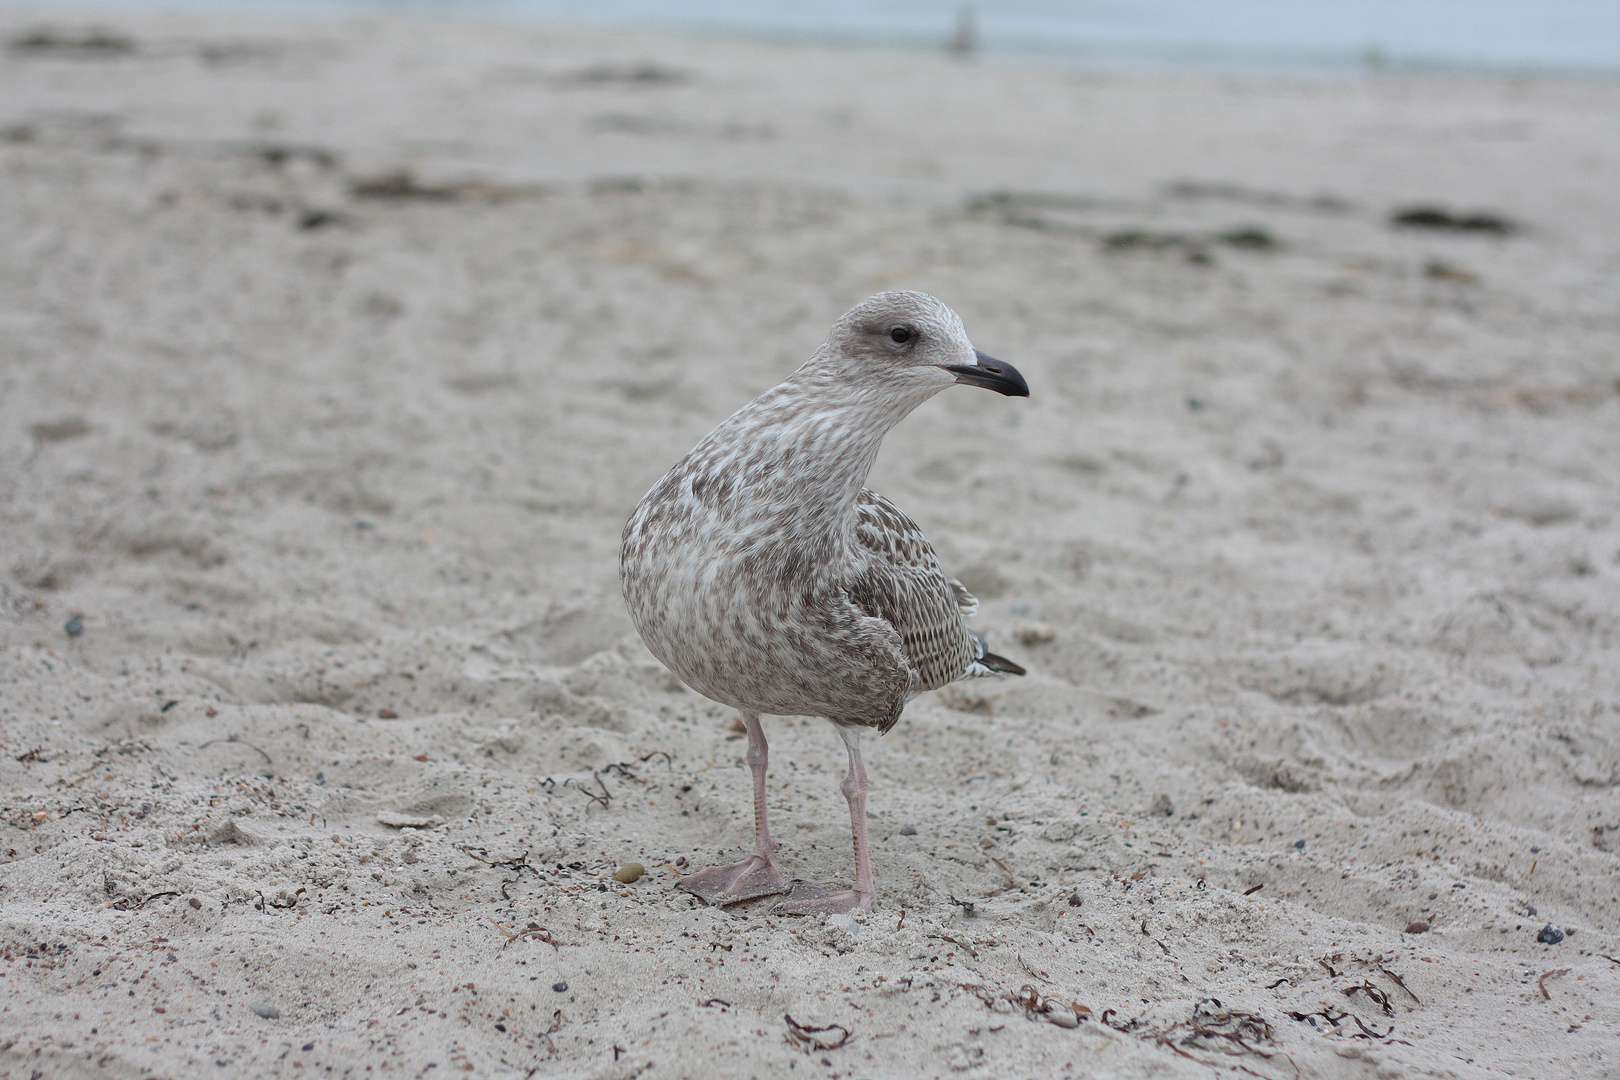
(765,575)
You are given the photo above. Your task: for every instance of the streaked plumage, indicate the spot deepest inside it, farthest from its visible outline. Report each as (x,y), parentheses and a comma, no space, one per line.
(763,573)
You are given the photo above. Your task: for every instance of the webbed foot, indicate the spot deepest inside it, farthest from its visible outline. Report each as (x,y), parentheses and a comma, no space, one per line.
(733,883)
(808,899)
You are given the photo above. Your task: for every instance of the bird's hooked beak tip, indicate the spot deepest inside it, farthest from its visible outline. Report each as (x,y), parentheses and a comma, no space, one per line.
(990,373)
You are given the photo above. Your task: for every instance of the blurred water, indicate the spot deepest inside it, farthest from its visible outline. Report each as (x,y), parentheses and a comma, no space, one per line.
(1554,36)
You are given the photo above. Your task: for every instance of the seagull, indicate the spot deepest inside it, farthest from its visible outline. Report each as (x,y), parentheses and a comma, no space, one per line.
(763,573)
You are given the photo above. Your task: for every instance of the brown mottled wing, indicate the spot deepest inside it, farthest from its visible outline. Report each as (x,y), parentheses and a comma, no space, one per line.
(901,582)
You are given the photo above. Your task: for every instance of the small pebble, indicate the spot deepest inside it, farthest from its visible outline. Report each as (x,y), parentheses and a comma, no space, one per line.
(1299,845)
(630,871)
(196,904)
(1550,935)
(74,626)
(560,987)
(387,714)
(908,830)
(1036,633)
(1417,926)
(1075,899)
(269,1012)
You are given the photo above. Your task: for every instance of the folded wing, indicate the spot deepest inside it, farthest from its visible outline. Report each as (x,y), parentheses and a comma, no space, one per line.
(900,581)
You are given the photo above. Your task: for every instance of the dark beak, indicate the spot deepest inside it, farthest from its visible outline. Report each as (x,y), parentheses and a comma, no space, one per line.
(992,374)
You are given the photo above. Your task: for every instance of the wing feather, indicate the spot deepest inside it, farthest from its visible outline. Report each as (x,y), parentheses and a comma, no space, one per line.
(900,581)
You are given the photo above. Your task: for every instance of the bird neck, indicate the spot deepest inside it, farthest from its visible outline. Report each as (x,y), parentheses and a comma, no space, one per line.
(801,452)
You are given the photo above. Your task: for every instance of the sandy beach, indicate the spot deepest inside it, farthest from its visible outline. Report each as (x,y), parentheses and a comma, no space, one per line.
(335,353)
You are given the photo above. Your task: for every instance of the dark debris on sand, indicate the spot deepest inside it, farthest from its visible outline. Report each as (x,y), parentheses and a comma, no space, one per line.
(1436,218)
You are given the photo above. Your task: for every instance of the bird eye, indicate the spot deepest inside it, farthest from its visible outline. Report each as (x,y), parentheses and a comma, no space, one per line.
(900,335)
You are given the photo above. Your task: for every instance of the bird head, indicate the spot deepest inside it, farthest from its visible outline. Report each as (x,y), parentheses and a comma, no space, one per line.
(910,340)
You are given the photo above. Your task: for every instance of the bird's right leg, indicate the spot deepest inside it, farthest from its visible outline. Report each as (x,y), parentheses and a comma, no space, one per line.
(756,875)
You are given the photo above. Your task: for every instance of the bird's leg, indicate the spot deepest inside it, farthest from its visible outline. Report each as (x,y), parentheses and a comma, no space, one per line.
(756,875)
(806,899)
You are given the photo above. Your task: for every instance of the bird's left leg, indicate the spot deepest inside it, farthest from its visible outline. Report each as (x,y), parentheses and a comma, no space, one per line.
(756,875)
(807,899)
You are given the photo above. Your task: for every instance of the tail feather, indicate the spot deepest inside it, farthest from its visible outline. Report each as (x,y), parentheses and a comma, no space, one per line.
(1001,664)
(986,662)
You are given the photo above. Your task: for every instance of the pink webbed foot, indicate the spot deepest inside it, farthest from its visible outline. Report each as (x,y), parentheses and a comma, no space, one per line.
(807,899)
(733,883)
